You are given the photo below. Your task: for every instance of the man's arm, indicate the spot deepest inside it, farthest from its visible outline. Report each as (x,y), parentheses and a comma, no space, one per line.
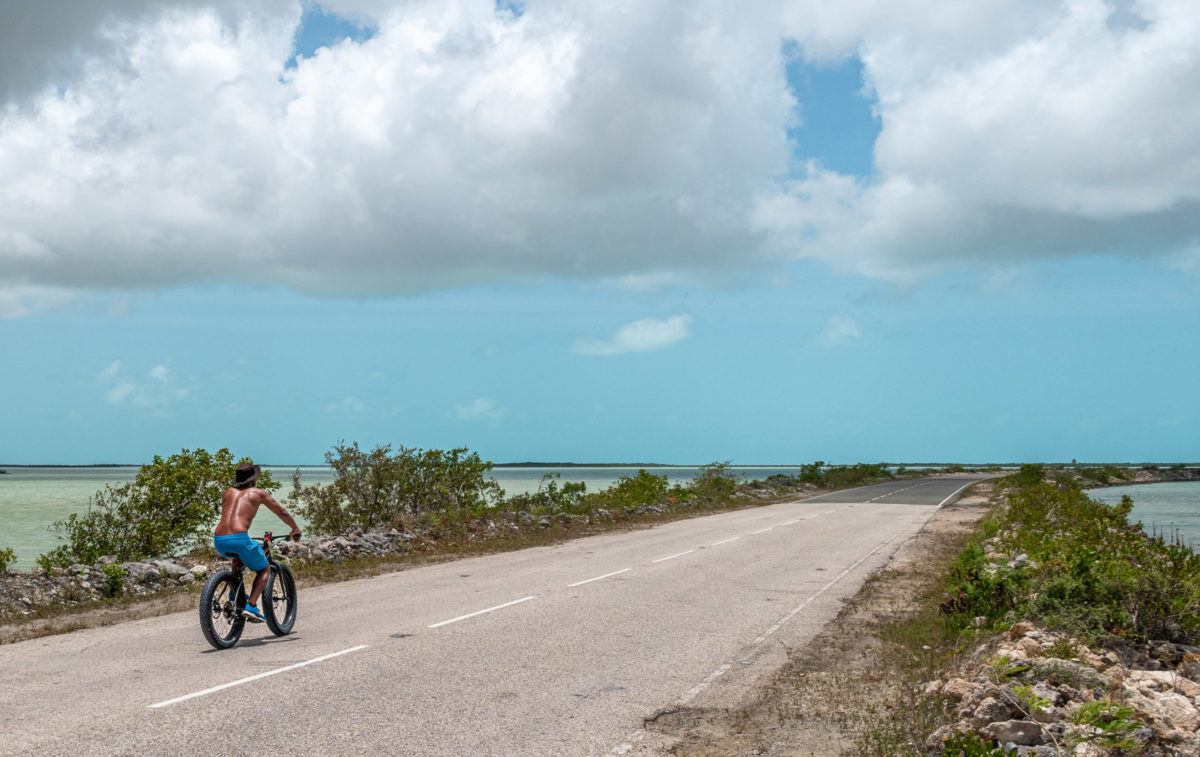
(274,506)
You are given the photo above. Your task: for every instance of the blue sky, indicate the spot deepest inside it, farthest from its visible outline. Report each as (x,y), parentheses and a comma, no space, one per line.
(459,226)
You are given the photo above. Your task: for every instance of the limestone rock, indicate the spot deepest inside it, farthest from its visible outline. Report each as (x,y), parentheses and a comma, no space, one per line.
(989,711)
(1019,732)
(1179,711)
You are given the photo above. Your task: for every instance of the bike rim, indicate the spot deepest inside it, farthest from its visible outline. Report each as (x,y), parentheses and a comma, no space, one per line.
(281,599)
(224,611)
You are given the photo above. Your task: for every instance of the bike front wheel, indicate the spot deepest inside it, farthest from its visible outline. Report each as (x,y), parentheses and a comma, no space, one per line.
(221,609)
(279,600)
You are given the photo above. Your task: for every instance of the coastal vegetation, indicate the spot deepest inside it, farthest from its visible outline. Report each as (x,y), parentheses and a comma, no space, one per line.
(385,487)
(1055,556)
(171,506)
(386,507)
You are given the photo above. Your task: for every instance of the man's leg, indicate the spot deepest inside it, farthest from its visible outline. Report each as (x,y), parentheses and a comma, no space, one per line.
(260,580)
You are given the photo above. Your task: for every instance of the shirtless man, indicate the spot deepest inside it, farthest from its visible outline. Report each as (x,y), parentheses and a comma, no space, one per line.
(239,505)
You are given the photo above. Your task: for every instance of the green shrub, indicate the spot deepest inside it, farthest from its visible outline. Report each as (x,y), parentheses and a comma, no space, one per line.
(978,589)
(714,481)
(630,492)
(969,745)
(377,488)
(114,580)
(1104,474)
(7,557)
(1030,474)
(1090,571)
(172,504)
(550,498)
(820,474)
(1113,723)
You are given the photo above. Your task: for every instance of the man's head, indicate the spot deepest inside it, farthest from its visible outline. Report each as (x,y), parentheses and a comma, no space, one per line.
(246,476)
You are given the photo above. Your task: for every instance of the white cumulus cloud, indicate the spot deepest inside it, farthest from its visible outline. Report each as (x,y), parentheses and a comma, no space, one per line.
(156,393)
(840,329)
(646,335)
(149,144)
(1010,130)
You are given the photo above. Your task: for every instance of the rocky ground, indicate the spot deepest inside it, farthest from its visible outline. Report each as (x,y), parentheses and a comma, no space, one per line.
(1112,477)
(1034,692)
(25,594)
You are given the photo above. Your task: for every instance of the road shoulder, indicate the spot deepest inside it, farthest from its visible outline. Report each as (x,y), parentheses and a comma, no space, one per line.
(817,702)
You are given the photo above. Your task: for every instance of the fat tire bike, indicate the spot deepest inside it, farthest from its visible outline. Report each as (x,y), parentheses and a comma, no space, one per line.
(224,594)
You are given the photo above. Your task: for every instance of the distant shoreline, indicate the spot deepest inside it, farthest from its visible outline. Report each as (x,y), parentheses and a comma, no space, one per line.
(536,464)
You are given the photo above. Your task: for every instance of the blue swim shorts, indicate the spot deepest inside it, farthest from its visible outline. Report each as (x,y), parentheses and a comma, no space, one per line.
(247,550)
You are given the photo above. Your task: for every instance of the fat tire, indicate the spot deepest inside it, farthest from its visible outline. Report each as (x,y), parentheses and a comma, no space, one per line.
(217,609)
(280,586)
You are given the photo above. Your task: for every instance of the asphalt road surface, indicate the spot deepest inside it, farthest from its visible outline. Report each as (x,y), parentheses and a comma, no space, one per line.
(560,650)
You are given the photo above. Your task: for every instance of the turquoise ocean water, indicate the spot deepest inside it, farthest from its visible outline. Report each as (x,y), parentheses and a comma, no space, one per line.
(1172,507)
(33,498)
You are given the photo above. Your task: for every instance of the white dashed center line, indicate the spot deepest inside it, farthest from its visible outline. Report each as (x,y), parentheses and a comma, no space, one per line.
(480,612)
(599,578)
(672,557)
(239,682)
(735,538)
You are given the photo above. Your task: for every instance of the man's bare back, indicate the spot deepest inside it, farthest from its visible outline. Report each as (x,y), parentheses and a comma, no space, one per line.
(239,506)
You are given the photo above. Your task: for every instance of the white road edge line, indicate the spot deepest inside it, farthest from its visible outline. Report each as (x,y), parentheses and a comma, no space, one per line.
(640,733)
(598,578)
(480,612)
(795,611)
(956,491)
(215,689)
(672,557)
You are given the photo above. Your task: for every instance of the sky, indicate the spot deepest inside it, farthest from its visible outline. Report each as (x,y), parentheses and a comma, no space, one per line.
(651,231)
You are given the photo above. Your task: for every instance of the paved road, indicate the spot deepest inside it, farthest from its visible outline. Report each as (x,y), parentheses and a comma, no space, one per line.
(550,651)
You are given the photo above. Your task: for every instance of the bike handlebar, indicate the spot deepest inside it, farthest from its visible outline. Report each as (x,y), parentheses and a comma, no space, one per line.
(270,536)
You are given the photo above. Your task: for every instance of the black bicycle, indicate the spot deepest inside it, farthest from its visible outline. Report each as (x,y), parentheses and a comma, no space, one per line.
(224,595)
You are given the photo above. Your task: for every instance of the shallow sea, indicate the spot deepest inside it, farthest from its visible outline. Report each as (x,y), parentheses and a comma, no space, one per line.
(1171,508)
(32,498)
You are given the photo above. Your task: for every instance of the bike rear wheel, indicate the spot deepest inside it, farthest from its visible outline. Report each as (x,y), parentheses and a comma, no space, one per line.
(221,609)
(279,600)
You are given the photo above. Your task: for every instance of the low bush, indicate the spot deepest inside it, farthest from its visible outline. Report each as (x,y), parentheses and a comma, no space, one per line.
(630,492)
(382,487)
(970,745)
(1087,569)
(715,481)
(172,505)
(114,580)
(550,498)
(7,557)
(829,476)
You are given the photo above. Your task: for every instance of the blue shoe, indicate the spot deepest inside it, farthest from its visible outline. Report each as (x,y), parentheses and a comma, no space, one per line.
(251,613)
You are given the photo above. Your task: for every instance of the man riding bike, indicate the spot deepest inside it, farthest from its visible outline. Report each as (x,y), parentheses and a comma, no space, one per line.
(239,505)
